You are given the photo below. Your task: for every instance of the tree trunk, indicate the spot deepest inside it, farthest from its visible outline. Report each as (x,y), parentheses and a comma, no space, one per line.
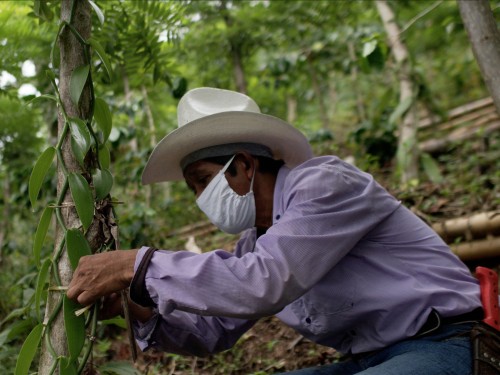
(4,227)
(291,108)
(128,102)
(317,92)
(407,143)
(360,106)
(485,40)
(72,56)
(236,52)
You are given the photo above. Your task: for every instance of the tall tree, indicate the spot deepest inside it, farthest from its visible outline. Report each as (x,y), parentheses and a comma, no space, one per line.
(75,96)
(485,40)
(407,154)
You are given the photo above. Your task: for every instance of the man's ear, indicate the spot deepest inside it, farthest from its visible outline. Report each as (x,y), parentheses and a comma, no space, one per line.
(248,162)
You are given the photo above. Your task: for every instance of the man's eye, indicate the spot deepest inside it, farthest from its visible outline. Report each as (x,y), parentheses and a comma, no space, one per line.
(203,181)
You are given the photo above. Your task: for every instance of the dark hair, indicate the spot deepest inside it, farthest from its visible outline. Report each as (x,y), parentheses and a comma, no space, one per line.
(266,165)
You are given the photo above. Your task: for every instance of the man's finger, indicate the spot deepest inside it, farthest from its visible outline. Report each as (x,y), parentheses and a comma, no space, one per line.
(87,297)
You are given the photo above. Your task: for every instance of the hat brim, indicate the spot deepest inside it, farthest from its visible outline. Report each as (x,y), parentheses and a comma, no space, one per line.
(286,142)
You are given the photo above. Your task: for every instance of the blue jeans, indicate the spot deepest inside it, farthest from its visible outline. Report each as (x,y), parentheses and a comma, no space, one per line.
(447,351)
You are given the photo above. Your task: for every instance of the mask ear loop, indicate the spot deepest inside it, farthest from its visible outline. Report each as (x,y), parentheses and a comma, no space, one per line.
(253,176)
(224,169)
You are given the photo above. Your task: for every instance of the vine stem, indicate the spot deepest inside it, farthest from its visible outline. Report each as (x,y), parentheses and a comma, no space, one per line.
(93,331)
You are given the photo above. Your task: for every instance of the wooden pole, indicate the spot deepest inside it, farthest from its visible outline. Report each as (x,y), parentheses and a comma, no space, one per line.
(475,226)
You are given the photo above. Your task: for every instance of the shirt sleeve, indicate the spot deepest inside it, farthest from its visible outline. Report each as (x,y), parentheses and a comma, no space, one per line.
(181,332)
(324,207)
(189,334)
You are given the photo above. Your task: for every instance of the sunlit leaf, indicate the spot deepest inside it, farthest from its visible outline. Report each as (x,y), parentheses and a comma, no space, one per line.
(82,196)
(103,117)
(98,11)
(80,138)
(74,326)
(369,47)
(39,172)
(40,284)
(96,46)
(77,246)
(28,350)
(77,82)
(41,232)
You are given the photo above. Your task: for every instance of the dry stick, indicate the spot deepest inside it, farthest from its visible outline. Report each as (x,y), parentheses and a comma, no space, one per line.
(126,311)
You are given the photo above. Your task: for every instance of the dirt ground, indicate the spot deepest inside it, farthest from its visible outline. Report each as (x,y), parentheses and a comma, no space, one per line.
(269,347)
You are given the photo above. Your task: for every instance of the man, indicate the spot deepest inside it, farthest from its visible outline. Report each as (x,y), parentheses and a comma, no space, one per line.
(324,248)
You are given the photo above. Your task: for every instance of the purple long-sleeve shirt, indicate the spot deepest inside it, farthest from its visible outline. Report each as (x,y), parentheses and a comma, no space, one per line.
(344,263)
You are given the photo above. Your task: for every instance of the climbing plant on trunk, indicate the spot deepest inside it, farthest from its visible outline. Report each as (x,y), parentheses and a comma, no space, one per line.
(83,209)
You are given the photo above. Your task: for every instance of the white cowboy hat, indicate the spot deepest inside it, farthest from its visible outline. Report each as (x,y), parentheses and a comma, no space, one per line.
(210,117)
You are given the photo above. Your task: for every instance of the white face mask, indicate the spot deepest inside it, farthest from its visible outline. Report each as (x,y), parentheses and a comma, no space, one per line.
(230,212)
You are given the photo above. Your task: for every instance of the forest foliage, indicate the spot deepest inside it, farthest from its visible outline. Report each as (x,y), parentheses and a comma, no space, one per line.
(325,66)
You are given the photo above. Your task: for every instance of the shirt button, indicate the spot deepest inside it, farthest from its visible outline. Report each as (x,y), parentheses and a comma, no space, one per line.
(278,217)
(308,320)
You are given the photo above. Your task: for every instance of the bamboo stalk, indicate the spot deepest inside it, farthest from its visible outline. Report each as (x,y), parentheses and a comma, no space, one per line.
(474,250)
(457,112)
(475,226)
(434,145)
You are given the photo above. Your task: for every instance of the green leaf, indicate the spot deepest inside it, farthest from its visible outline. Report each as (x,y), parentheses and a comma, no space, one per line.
(80,139)
(369,47)
(40,284)
(82,196)
(54,56)
(67,366)
(28,350)
(74,326)
(77,82)
(50,74)
(96,46)
(431,168)
(116,321)
(103,181)
(77,246)
(18,329)
(40,169)
(98,11)
(40,97)
(103,117)
(104,156)
(41,232)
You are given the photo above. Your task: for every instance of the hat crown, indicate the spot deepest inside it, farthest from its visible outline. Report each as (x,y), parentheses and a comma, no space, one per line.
(206,101)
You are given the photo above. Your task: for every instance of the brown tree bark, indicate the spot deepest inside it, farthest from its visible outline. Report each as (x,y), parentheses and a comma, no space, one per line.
(407,141)
(71,57)
(485,40)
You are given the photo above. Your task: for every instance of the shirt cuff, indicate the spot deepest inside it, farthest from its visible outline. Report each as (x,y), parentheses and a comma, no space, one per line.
(144,331)
(138,291)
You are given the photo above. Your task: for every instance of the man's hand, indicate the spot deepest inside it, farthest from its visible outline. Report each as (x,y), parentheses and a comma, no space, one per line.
(102,274)
(112,306)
